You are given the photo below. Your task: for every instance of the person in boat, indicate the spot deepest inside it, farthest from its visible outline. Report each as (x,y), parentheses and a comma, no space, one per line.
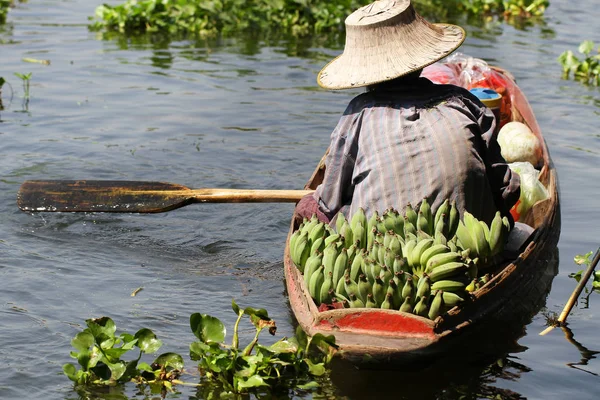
(405,138)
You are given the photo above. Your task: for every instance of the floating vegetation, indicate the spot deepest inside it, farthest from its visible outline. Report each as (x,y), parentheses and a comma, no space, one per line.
(293,17)
(587,70)
(4,6)
(226,369)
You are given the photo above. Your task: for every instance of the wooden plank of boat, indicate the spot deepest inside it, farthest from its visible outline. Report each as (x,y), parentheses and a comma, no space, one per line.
(376,336)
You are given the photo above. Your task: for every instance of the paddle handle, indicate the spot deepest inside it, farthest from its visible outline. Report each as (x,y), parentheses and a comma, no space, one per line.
(246,195)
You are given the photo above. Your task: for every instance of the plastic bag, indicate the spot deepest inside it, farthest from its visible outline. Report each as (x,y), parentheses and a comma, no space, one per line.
(442,74)
(532,190)
(470,72)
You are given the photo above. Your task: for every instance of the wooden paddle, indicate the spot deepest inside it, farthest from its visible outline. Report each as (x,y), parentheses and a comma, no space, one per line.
(134,196)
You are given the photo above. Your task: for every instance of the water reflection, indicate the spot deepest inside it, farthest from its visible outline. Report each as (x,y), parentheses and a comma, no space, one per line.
(586,354)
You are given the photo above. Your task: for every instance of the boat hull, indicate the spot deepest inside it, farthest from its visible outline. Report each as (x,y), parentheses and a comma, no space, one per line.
(379,337)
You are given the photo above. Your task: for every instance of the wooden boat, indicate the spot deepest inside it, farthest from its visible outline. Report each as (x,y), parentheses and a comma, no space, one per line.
(376,336)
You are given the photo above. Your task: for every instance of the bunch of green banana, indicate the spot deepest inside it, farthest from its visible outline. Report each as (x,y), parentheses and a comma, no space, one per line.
(420,262)
(483,242)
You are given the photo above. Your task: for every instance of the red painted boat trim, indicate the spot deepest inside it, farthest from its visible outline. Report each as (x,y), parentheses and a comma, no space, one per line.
(378,322)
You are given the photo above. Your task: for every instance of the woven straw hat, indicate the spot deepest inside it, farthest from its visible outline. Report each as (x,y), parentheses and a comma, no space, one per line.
(385,40)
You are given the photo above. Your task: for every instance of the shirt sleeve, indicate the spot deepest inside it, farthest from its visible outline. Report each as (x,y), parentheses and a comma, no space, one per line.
(505,184)
(337,187)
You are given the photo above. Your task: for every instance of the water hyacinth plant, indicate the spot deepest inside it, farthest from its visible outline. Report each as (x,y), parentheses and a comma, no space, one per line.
(586,70)
(226,369)
(295,17)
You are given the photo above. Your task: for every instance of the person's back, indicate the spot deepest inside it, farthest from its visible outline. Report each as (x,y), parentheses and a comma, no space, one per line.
(407,140)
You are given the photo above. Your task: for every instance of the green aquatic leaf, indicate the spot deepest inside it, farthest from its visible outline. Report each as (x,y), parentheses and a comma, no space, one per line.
(315,369)
(103,330)
(252,382)
(83,341)
(147,341)
(583,258)
(235,307)
(170,360)
(207,328)
(586,47)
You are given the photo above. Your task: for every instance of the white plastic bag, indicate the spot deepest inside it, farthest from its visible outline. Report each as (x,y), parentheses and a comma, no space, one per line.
(532,189)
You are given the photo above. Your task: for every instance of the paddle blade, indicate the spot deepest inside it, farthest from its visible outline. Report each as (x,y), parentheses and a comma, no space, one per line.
(102,196)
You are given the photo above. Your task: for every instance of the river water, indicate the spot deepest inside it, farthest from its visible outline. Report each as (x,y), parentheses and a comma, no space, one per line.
(238,114)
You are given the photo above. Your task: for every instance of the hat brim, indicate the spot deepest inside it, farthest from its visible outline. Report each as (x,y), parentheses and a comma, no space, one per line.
(383,63)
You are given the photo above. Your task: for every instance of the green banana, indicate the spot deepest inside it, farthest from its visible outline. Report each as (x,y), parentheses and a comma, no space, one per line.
(364,287)
(317,245)
(433,250)
(387,302)
(313,262)
(399,224)
(449,286)
(407,305)
(389,220)
(356,266)
(396,293)
(351,287)
(386,273)
(371,235)
(399,264)
(447,270)
(422,223)
(453,220)
(451,299)
(339,222)
(340,287)
(340,265)
(332,239)
(437,305)
(407,250)
(302,251)
(318,231)
(421,308)
(372,222)
(348,235)
(425,210)
(481,244)
(409,228)
(441,259)
(396,246)
(414,256)
(424,287)
(486,230)
(440,231)
(312,222)
(389,257)
(452,244)
(379,291)
(442,212)
(411,214)
(292,245)
(370,303)
(355,302)
(359,233)
(326,292)
(316,281)
(408,290)
(465,239)
(497,235)
(330,254)
(359,218)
